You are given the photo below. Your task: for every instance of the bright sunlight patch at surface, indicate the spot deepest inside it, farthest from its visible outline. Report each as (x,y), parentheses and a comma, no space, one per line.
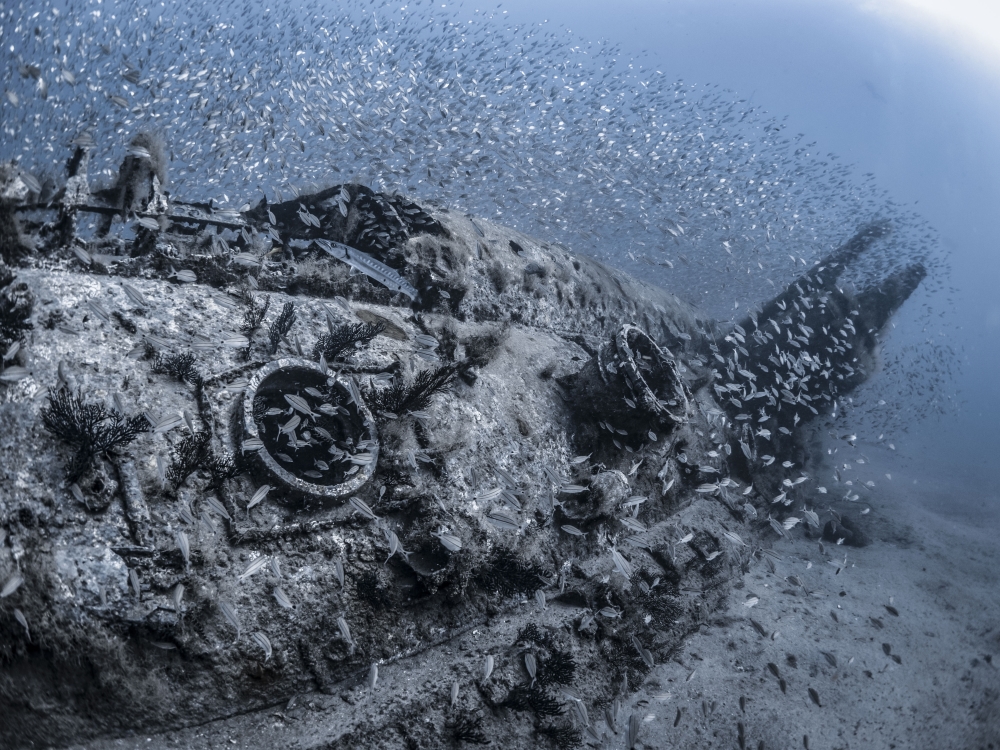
(970,27)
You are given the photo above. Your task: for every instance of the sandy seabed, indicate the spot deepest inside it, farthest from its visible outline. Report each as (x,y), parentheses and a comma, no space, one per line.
(934,559)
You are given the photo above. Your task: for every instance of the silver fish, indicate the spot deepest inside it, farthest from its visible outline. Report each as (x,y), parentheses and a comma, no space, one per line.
(450,542)
(262,640)
(503,520)
(229,612)
(345,631)
(253,567)
(259,495)
(175,597)
(362,507)
(135,295)
(369,266)
(621,564)
(282,598)
(531,664)
(217,507)
(12,585)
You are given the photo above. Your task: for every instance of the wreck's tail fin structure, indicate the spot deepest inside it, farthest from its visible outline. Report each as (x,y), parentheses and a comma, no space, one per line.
(809,346)
(824,274)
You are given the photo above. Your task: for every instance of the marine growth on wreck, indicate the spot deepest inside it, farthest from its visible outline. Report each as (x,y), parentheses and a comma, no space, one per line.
(309,446)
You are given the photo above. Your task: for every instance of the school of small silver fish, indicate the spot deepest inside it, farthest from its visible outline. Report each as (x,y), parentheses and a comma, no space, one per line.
(682,184)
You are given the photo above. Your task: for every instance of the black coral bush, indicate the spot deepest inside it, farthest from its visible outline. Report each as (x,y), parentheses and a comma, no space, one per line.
(195,452)
(180,366)
(254,312)
(564,736)
(400,397)
(505,573)
(532,698)
(468,728)
(332,344)
(89,428)
(281,326)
